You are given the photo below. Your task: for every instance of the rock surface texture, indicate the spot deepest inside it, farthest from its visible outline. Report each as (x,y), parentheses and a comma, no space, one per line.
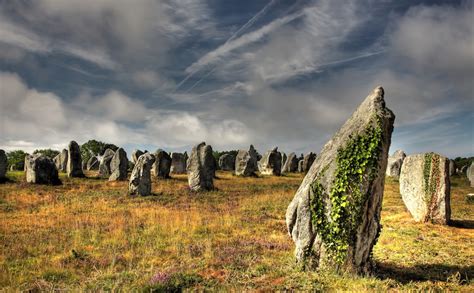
(140,180)
(270,164)
(178,163)
(3,165)
(291,164)
(227,162)
(92,164)
(470,174)
(308,161)
(41,170)
(452,168)
(61,161)
(246,162)
(162,166)
(425,187)
(135,155)
(74,160)
(394,164)
(201,168)
(105,160)
(334,217)
(119,166)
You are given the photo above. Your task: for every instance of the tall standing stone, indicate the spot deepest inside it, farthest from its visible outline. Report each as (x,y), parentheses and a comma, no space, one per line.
(61,161)
(201,168)
(470,174)
(291,164)
(162,166)
(452,168)
(178,163)
(105,161)
(74,160)
(334,218)
(425,187)
(92,164)
(3,165)
(308,161)
(119,166)
(270,164)
(283,160)
(246,162)
(41,170)
(135,155)
(227,162)
(394,164)
(140,179)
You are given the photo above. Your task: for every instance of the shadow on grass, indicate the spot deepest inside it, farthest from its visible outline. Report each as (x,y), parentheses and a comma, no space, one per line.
(427,272)
(469,224)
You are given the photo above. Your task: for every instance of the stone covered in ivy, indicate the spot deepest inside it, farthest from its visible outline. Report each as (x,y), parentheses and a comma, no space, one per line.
(334,218)
(425,187)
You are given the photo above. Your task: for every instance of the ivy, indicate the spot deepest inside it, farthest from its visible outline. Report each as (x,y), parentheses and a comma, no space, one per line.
(356,164)
(432,180)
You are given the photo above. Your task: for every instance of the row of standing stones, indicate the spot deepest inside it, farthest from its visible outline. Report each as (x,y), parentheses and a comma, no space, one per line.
(334,217)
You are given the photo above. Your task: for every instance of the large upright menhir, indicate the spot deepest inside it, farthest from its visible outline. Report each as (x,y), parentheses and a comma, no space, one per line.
(74,160)
(334,218)
(201,168)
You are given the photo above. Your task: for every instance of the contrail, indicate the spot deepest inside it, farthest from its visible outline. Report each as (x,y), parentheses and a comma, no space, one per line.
(248,24)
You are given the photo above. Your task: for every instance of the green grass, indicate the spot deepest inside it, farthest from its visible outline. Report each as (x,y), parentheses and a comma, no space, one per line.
(87,234)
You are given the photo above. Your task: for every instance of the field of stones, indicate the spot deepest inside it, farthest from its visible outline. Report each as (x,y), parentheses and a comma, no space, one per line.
(349,218)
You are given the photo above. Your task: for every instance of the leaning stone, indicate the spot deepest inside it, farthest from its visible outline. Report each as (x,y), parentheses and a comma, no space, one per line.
(334,218)
(291,164)
(105,160)
(394,164)
(41,170)
(271,163)
(92,164)
(74,161)
(227,162)
(201,168)
(119,166)
(425,187)
(61,161)
(3,166)
(140,180)
(246,162)
(161,167)
(178,163)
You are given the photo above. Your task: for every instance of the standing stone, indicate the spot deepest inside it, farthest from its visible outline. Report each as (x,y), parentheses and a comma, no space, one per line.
(41,170)
(61,161)
(92,164)
(394,164)
(119,166)
(334,218)
(161,167)
(270,164)
(425,187)
(227,162)
(300,166)
(135,155)
(283,160)
(74,161)
(105,161)
(291,164)
(201,168)
(470,174)
(308,161)
(452,168)
(140,180)
(3,165)
(178,163)
(246,162)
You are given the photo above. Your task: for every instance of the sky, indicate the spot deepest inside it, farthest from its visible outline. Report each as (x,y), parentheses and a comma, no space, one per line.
(171,73)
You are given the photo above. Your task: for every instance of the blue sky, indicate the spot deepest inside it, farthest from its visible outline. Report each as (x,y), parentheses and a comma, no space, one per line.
(171,73)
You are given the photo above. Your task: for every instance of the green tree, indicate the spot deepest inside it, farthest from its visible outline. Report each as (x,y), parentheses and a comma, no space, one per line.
(94,147)
(47,152)
(16,159)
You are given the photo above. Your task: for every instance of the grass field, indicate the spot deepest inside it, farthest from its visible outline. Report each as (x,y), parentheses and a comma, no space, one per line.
(87,234)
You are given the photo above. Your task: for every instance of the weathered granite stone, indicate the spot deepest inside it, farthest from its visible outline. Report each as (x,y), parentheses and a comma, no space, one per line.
(119,166)
(300,166)
(334,218)
(246,162)
(291,164)
(135,155)
(140,180)
(105,160)
(41,170)
(92,164)
(162,166)
(452,168)
(283,160)
(201,168)
(425,187)
(61,161)
(394,164)
(3,165)
(227,162)
(470,174)
(74,161)
(270,164)
(308,161)
(178,163)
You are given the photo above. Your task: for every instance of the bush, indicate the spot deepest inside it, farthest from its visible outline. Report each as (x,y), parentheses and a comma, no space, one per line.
(47,152)
(94,148)
(16,159)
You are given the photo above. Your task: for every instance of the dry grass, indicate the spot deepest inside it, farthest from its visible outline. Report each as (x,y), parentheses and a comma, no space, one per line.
(88,235)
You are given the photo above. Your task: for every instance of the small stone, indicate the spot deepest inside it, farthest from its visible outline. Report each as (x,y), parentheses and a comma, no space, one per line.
(394,164)
(178,163)
(61,161)
(135,155)
(140,180)
(105,160)
(270,164)
(227,162)
(246,162)
(41,170)
(119,166)
(162,166)
(291,164)
(201,168)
